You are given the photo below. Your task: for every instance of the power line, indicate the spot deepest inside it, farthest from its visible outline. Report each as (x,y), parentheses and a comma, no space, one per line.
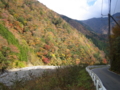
(115,6)
(115,21)
(102,9)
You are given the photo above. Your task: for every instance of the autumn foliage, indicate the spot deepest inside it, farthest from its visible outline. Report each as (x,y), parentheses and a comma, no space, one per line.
(36,35)
(46,60)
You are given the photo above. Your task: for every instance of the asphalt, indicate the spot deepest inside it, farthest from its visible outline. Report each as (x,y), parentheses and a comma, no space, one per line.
(110,80)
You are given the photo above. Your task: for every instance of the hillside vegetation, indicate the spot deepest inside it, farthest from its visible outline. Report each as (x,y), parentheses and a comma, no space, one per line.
(115,48)
(98,39)
(32,34)
(69,78)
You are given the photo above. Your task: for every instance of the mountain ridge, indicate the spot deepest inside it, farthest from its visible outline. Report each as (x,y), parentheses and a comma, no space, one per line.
(100,25)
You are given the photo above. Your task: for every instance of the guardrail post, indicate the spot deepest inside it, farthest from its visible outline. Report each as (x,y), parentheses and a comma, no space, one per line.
(97,84)
(95,78)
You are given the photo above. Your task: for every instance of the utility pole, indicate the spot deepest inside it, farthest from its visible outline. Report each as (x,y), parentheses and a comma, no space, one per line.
(109,14)
(112,58)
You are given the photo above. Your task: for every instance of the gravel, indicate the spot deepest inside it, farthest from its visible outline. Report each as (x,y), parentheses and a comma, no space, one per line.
(27,73)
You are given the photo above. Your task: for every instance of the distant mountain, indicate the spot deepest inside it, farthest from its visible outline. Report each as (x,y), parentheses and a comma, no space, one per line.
(76,25)
(98,39)
(99,25)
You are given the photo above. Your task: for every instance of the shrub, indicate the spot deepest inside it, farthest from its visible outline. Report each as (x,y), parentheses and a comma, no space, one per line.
(46,60)
(2,5)
(22,20)
(57,21)
(68,78)
(4,60)
(47,47)
(20,64)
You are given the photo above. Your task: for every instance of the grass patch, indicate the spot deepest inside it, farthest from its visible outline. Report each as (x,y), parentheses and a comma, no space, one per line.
(69,78)
(12,40)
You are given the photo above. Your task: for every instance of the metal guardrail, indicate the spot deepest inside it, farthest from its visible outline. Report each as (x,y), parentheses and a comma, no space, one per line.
(95,78)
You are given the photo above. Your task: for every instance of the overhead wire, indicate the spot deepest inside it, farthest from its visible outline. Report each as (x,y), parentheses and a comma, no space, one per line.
(101,7)
(112,16)
(102,10)
(115,7)
(102,16)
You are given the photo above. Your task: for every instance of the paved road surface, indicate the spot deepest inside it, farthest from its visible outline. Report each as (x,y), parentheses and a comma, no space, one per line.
(110,80)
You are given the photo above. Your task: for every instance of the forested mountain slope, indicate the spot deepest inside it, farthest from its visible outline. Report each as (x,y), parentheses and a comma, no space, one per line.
(98,39)
(30,33)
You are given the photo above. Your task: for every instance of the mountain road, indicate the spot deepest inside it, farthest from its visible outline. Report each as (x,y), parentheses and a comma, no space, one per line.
(110,80)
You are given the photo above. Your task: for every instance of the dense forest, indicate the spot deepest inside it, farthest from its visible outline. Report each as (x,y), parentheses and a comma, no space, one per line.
(32,34)
(115,49)
(99,40)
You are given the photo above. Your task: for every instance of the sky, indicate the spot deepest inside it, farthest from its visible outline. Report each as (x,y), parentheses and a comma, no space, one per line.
(82,9)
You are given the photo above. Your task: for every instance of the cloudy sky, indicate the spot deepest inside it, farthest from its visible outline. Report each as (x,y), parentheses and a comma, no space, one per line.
(81,9)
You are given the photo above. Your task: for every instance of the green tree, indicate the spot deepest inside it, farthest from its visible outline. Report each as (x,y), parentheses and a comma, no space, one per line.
(4,61)
(115,49)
